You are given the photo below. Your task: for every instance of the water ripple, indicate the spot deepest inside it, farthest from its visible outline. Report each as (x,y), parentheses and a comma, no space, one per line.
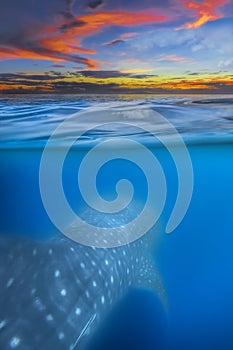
(30,120)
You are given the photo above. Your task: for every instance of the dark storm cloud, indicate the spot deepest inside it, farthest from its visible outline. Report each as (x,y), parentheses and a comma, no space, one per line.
(194,73)
(57,66)
(83,87)
(56,73)
(95,88)
(5,77)
(219,85)
(142,76)
(67,88)
(20,83)
(201,73)
(105,74)
(56,82)
(73,24)
(21,90)
(24,78)
(94,4)
(53,75)
(114,42)
(205,72)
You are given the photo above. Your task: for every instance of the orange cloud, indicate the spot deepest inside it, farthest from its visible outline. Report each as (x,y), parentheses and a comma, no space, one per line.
(22,53)
(94,22)
(173,59)
(47,55)
(206,11)
(65,45)
(128,35)
(63,41)
(68,39)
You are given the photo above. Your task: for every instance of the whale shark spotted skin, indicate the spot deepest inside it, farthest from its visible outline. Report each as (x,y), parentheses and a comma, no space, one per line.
(54,292)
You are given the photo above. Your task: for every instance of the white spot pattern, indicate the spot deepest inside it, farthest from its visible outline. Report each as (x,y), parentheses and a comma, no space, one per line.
(78,311)
(2,324)
(63,292)
(14,342)
(49,317)
(57,273)
(9,282)
(94,284)
(61,336)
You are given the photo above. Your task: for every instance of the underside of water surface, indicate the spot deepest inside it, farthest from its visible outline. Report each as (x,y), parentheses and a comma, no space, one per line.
(195,260)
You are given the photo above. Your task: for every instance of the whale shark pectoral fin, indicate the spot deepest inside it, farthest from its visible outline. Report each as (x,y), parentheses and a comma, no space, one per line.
(85,331)
(148,276)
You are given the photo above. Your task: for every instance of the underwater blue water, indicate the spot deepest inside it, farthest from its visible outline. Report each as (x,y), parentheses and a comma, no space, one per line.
(195,260)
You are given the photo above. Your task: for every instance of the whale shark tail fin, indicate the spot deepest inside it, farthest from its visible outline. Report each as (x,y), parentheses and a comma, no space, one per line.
(148,276)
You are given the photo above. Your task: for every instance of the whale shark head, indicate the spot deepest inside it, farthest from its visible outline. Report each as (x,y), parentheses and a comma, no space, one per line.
(55,292)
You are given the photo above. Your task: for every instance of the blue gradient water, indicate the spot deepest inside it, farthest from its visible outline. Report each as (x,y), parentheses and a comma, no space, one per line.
(196,260)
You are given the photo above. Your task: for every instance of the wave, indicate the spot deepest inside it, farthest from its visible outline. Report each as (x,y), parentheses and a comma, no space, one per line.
(30,120)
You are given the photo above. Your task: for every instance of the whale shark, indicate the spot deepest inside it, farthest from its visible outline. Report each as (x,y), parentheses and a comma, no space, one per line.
(54,292)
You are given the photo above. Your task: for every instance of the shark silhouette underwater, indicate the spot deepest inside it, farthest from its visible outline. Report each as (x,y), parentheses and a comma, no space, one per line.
(55,292)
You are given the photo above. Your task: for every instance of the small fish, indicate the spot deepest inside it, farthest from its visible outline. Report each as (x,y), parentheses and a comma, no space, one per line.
(54,293)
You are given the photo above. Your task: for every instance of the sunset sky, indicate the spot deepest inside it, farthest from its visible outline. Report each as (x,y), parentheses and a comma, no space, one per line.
(114,46)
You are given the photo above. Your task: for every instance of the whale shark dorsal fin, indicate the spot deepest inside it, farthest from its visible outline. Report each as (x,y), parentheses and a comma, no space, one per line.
(84,331)
(147,276)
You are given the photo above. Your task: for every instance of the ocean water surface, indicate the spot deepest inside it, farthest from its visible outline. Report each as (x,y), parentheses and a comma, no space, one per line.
(195,261)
